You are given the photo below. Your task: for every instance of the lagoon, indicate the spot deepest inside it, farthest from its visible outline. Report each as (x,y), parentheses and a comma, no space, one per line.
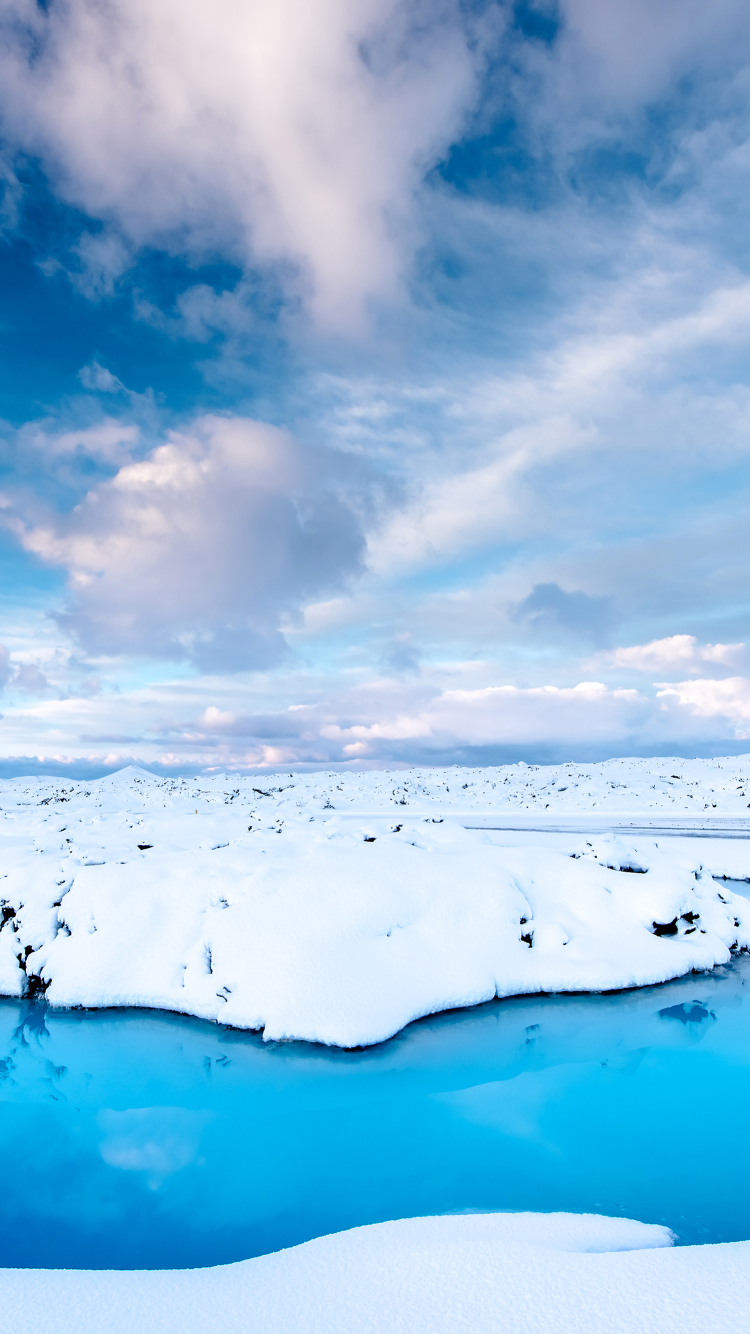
(132,1139)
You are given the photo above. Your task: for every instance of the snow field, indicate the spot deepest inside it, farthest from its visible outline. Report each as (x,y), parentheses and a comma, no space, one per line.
(336,908)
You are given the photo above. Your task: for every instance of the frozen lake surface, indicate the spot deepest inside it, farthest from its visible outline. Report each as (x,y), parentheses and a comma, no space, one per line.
(145,1139)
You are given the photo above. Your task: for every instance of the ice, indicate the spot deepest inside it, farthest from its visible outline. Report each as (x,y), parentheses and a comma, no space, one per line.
(499,1273)
(338,907)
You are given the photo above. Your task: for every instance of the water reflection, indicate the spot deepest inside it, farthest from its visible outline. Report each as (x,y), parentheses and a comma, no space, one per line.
(32,1021)
(143,1139)
(688,1012)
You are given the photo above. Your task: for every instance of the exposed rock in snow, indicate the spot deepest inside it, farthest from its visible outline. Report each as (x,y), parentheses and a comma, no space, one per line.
(339,907)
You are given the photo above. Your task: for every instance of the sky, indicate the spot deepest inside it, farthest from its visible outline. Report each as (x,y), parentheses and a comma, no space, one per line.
(374,385)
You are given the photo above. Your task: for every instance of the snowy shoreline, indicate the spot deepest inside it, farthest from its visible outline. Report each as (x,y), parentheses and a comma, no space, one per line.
(337,908)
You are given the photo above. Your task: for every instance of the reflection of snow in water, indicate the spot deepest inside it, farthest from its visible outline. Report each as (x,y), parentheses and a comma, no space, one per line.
(516,1109)
(156,1140)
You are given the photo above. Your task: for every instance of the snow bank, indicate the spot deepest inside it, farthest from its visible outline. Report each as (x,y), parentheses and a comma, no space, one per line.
(508,1273)
(337,908)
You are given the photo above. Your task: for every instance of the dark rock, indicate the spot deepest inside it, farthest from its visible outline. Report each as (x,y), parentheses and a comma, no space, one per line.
(665,928)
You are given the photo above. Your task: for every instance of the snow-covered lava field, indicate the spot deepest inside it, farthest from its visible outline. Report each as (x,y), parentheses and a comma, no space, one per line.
(338,907)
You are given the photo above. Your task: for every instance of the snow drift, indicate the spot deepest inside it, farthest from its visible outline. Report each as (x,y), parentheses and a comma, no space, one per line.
(500,1273)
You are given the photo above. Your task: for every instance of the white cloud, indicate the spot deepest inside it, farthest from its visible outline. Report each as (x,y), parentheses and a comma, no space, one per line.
(678,651)
(26,676)
(512,715)
(423,712)
(475,505)
(384,721)
(589,714)
(110,441)
(99,380)
(621,56)
(728,699)
(287,133)
(197,549)
(401,728)
(101,258)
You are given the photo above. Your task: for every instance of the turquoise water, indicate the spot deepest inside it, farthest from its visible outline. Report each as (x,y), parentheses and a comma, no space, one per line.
(140,1139)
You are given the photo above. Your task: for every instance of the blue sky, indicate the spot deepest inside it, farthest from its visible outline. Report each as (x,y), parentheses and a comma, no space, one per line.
(374,382)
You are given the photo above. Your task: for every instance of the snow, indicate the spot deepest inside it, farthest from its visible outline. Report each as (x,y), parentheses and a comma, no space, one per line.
(507,1273)
(338,907)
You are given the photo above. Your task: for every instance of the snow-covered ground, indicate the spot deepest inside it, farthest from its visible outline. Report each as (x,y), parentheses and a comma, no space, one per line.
(498,1273)
(338,907)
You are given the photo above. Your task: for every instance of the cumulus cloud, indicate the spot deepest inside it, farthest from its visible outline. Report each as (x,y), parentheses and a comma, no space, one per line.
(678,651)
(728,699)
(195,550)
(385,722)
(286,134)
(590,716)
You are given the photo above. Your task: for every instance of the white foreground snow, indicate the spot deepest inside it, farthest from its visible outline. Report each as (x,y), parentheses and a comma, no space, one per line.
(339,907)
(494,1273)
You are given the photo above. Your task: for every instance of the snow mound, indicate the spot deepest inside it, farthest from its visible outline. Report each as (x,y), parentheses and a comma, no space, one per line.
(499,1273)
